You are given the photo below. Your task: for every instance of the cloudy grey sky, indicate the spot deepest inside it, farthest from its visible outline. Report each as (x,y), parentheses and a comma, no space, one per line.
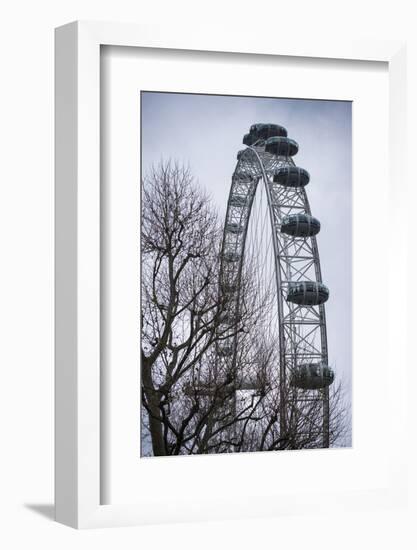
(206,132)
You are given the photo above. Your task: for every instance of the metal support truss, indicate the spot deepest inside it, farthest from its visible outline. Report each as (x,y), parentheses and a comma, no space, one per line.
(302,329)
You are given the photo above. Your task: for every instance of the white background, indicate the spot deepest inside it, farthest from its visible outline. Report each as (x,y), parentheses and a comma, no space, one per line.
(26,305)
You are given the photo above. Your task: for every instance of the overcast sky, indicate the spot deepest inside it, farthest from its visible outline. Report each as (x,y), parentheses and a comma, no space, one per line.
(206,132)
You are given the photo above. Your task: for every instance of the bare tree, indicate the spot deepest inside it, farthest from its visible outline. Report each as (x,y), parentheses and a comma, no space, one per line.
(180,247)
(194,400)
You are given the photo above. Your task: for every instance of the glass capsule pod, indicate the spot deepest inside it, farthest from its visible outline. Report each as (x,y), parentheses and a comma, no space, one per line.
(292,176)
(208,390)
(300,225)
(307,293)
(312,376)
(249,139)
(242,176)
(250,383)
(231,257)
(238,200)
(201,390)
(266,131)
(281,146)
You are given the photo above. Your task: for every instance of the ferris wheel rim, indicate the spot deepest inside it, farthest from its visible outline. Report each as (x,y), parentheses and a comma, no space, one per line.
(264,163)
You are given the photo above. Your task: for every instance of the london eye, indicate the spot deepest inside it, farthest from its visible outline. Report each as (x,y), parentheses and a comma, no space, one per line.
(271,233)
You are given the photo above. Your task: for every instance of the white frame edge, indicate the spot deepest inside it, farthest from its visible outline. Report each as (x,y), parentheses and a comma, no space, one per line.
(77,230)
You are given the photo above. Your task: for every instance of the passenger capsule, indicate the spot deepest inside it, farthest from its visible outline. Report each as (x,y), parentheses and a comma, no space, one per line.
(238,200)
(265,131)
(249,139)
(300,225)
(231,257)
(219,392)
(241,176)
(235,228)
(281,146)
(251,383)
(308,293)
(291,176)
(312,376)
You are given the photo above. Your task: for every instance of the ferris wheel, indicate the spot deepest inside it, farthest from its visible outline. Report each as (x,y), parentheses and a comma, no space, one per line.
(270,234)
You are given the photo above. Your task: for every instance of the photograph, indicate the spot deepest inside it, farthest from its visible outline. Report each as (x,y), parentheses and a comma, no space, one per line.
(245,274)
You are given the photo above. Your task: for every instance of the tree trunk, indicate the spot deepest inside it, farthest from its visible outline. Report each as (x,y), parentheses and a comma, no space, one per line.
(155,427)
(155,420)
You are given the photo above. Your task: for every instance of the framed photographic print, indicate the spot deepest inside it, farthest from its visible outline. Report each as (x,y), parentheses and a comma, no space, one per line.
(229,362)
(219,310)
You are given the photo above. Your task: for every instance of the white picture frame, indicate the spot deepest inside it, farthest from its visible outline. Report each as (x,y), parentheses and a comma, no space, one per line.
(78,501)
